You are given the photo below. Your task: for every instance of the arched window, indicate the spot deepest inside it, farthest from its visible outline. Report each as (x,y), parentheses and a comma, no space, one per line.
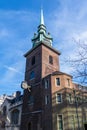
(4,111)
(15,116)
(32,75)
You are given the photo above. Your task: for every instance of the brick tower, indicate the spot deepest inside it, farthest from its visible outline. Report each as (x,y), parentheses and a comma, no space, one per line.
(41,61)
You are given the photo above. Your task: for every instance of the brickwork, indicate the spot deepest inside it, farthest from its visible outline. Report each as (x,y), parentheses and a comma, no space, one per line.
(40,115)
(48,68)
(53,96)
(42,68)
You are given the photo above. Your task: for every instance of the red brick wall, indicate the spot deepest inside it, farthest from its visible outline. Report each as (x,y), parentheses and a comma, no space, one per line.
(48,68)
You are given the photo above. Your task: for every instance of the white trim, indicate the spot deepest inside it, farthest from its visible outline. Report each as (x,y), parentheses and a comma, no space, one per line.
(68,82)
(32,112)
(62,121)
(37,111)
(46,100)
(46,80)
(61,98)
(56,83)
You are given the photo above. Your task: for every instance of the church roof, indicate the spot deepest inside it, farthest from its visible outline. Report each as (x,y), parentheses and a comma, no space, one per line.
(42,43)
(60,73)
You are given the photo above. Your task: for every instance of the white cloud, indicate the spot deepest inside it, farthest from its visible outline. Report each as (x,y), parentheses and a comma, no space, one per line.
(81,36)
(68,22)
(13,69)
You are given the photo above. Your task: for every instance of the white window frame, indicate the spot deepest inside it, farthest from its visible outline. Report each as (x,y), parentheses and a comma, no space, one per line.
(46,86)
(57,98)
(68,82)
(56,82)
(58,121)
(46,100)
(70,98)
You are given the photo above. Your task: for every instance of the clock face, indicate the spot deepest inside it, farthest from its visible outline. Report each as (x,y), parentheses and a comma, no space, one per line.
(24,85)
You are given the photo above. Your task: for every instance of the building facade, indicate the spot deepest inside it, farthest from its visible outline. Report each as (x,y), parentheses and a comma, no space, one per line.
(11,112)
(54,102)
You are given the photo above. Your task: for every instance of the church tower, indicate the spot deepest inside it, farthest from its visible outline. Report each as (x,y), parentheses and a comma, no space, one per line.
(41,61)
(50,103)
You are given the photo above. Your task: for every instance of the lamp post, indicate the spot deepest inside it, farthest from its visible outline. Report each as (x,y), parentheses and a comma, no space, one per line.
(76,104)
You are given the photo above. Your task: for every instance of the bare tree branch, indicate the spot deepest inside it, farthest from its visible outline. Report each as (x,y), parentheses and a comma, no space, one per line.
(79,62)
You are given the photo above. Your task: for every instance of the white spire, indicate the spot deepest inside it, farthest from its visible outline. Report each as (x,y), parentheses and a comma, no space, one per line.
(42,17)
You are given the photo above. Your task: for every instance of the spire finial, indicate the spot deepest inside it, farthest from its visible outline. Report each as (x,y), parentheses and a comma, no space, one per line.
(42,17)
(42,36)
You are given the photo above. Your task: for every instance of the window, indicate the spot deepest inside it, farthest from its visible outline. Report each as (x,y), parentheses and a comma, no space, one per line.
(15,116)
(68,82)
(33,60)
(31,99)
(4,111)
(47,99)
(72,121)
(46,83)
(59,122)
(2,124)
(57,81)
(58,97)
(70,98)
(50,59)
(27,62)
(78,99)
(29,126)
(32,75)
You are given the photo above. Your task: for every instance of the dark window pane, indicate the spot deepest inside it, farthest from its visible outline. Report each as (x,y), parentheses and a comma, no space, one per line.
(15,116)
(47,99)
(4,110)
(50,59)
(59,97)
(57,81)
(33,60)
(32,75)
(31,99)
(46,83)
(68,82)
(60,122)
(29,126)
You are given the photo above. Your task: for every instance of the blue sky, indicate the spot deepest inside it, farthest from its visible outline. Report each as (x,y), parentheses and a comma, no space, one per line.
(66,20)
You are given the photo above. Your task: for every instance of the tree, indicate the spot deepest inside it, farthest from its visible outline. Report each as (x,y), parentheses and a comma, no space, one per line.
(79,63)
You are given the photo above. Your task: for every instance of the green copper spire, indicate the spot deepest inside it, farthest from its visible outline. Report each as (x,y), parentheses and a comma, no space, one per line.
(42,17)
(42,35)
